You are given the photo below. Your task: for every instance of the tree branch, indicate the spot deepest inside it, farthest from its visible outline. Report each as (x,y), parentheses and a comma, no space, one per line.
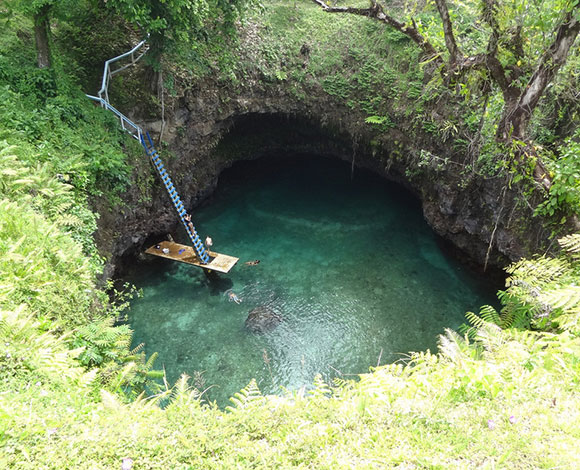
(548,66)
(377,12)
(494,66)
(551,61)
(454,53)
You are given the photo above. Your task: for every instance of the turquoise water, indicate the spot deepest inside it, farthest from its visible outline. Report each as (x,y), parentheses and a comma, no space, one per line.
(350,265)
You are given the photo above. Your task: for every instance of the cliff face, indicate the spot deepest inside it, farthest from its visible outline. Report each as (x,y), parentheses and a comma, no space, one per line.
(208,127)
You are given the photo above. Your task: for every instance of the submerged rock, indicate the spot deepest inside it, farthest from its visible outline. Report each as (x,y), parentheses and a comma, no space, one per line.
(262,319)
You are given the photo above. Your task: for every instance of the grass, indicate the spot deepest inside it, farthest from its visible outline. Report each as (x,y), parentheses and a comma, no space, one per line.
(447,411)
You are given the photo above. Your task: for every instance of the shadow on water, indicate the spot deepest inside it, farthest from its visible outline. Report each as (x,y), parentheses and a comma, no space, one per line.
(350,267)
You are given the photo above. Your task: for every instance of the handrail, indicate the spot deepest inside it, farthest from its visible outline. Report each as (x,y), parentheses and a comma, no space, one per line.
(126,123)
(108,72)
(103,93)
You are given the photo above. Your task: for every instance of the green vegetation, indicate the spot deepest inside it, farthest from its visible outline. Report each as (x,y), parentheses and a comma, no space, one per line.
(383,74)
(72,393)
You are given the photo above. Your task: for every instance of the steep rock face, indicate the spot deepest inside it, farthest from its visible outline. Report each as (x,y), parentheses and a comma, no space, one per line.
(209,127)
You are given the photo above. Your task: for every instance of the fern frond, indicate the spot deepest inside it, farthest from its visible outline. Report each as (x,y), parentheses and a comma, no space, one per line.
(528,273)
(569,322)
(88,378)
(124,376)
(182,387)
(566,298)
(149,364)
(487,314)
(246,397)
(490,315)
(490,336)
(452,346)
(183,393)
(321,388)
(571,244)
(110,401)
(69,220)
(137,349)
(475,320)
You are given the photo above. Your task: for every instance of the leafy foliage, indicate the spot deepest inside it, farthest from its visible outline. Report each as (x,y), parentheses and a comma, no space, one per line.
(541,293)
(564,196)
(571,244)
(498,398)
(173,23)
(101,342)
(43,267)
(28,354)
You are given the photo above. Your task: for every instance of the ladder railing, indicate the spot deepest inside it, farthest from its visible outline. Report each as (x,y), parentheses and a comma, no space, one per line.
(134,54)
(125,122)
(136,131)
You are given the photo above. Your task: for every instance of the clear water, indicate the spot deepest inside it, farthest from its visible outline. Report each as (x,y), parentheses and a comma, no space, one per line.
(350,265)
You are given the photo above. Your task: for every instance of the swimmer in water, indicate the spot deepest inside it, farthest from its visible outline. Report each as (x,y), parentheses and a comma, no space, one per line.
(232,297)
(252,263)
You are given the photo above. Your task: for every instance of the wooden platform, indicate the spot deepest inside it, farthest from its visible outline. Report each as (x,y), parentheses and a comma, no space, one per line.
(186,254)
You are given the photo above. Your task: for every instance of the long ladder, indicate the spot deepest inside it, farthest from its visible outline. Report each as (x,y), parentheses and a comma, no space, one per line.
(177,203)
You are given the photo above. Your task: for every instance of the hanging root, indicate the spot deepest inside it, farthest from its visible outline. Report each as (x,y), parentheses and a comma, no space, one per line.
(495,228)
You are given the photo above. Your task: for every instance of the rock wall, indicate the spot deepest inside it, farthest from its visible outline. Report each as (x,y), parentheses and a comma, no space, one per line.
(208,127)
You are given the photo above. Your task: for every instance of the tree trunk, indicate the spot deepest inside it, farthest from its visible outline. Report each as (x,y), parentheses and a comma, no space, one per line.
(517,117)
(42,36)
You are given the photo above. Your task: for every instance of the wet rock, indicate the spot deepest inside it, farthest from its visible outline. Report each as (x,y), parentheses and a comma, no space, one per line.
(262,320)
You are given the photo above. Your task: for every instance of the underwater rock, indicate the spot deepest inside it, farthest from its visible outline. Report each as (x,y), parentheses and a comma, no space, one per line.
(262,319)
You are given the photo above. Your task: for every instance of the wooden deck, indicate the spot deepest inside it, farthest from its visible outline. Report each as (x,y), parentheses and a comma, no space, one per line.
(186,254)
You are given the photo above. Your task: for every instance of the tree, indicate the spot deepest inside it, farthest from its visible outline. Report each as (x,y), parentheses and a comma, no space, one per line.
(42,34)
(518,45)
(41,12)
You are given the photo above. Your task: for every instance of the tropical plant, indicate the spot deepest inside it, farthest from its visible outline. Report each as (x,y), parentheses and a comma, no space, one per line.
(541,293)
(248,397)
(176,22)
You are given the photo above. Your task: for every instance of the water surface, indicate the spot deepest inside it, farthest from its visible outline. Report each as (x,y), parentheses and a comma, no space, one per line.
(350,265)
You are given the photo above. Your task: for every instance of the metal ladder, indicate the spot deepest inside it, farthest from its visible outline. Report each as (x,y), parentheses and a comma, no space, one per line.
(177,203)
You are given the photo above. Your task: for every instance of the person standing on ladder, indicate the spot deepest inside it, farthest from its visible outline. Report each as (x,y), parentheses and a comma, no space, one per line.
(189,223)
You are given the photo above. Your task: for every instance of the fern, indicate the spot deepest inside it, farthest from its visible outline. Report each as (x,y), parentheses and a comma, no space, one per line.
(487,314)
(453,347)
(33,352)
(102,341)
(566,298)
(569,322)
(321,388)
(247,397)
(571,244)
(528,273)
(183,393)
(490,336)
